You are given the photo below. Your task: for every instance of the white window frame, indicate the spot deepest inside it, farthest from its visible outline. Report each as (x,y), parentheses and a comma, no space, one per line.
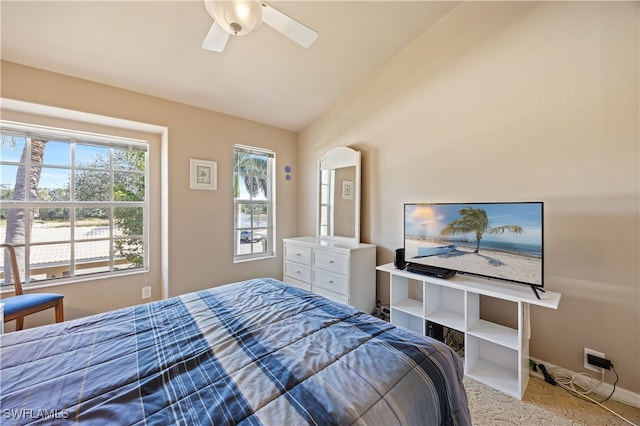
(32,131)
(269,251)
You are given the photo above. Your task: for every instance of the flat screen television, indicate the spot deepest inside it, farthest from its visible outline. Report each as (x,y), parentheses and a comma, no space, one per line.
(501,241)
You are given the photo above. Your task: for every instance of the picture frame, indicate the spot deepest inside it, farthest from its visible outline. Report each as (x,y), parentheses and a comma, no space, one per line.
(347,190)
(203,175)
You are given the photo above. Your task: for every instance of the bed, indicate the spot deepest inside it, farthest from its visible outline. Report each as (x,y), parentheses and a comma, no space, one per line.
(257,352)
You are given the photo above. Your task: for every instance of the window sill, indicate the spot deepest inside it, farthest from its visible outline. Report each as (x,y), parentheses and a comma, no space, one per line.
(252,258)
(8,289)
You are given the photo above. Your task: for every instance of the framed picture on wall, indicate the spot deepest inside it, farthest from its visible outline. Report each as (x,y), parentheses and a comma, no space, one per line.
(203,175)
(347,190)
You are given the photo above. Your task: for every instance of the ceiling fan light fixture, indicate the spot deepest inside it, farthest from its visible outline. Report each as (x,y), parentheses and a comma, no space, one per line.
(237,17)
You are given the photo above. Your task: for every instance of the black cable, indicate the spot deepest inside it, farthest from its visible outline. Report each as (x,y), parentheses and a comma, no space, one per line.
(614,385)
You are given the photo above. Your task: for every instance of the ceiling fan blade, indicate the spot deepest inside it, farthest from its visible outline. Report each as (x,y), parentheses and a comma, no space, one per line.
(291,28)
(216,39)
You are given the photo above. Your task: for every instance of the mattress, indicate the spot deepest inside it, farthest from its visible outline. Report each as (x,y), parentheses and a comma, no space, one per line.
(257,352)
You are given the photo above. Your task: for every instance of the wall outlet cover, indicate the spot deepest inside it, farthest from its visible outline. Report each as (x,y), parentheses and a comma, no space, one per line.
(591,366)
(146,292)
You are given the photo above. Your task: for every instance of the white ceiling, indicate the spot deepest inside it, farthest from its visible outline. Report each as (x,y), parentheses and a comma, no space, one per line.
(153,47)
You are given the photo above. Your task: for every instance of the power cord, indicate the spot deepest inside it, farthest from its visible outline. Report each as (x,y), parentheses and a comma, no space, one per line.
(580,384)
(614,384)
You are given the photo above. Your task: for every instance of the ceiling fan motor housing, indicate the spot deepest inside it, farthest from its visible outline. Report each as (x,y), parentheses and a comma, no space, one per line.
(238,17)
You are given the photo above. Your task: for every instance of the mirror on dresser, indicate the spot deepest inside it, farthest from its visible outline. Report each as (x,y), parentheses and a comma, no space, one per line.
(339,195)
(334,263)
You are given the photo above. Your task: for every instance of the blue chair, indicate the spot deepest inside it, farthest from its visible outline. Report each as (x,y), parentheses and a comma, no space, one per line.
(18,306)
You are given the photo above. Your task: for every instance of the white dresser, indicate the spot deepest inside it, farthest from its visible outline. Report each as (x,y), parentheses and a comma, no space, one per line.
(343,272)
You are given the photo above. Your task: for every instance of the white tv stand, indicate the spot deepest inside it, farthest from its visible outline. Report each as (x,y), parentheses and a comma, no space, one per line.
(495,355)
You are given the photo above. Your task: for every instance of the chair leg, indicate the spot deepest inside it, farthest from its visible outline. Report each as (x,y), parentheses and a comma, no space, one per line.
(19,323)
(59,311)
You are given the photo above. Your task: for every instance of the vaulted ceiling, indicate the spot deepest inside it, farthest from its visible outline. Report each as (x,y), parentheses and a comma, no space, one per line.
(154,47)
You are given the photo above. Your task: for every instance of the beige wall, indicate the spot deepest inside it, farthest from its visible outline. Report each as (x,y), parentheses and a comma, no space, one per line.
(200,223)
(514,101)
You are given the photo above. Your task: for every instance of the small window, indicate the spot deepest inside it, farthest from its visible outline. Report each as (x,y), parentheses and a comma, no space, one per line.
(73,204)
(253,203)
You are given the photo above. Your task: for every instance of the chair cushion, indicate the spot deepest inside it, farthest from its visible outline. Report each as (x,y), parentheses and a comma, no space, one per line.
(17,303)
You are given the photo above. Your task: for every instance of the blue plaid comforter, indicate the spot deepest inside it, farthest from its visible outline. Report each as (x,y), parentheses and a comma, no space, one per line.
(258,352)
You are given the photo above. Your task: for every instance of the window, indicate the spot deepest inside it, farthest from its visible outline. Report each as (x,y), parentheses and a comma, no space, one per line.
(326,195)
(73,204)
(253,203)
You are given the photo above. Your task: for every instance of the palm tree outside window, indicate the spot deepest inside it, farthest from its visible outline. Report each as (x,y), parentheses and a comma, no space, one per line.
(253,203)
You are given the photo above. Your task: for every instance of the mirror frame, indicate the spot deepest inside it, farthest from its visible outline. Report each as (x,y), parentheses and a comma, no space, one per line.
(337,158)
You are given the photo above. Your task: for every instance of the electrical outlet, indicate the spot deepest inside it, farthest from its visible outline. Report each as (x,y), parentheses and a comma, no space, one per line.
(146,293)
(591,366)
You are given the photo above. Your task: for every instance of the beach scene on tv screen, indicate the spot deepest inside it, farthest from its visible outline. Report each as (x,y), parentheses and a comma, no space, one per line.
(501,240)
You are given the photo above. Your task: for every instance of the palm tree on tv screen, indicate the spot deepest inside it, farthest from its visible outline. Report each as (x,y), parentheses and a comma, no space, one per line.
(476,221)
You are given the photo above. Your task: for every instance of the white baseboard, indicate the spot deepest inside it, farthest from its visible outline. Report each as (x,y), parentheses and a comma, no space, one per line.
(621,395)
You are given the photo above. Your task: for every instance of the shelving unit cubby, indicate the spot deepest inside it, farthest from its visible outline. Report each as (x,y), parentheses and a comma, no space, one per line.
(494,354)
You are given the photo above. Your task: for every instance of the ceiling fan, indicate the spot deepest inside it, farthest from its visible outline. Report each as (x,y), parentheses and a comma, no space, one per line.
(240,17)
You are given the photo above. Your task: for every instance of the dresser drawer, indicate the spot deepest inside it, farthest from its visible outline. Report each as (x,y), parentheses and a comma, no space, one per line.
(296,283)
(297,271)
(329,281)
(297,253)
(331,295)
(331,261)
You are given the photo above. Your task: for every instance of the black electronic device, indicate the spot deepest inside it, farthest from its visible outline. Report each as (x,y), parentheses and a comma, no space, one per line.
(432,271)
(435,331)
(398,261)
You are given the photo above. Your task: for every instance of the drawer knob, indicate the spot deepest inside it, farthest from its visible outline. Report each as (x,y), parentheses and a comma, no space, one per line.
(330,281)
(331,261)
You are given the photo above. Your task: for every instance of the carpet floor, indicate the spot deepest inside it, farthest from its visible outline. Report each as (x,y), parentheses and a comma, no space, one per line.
(542,404)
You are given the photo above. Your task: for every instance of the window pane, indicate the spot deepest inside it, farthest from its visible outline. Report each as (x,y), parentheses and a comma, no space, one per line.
(259,185)
(50,225)
(242,215)
(324,177)
(50,261)
(8,182)
(14,230)
(51,215)
(92,156)
(241,191)
(324,215)
(53,184)
(129,221)
(57,154)
(129,253)
(92,257)
(260,215)
(12,147)
(324,194)
(128,159)
(92,186)
(260,240)
(91,223)
(259,165)
(128,187)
